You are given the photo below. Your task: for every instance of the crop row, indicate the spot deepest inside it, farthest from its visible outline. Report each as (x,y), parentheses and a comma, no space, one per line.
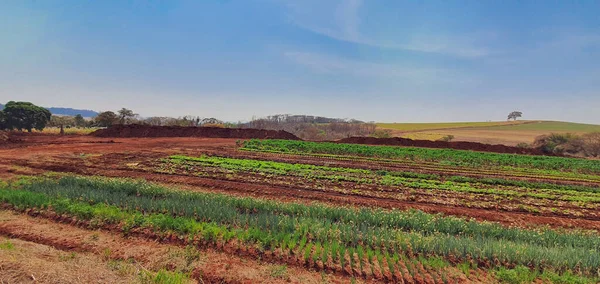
(448,157)
(403,179)
(332,232)
(504,171)
(430,171)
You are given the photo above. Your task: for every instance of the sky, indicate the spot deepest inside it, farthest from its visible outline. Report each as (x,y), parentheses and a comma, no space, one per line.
(373,60)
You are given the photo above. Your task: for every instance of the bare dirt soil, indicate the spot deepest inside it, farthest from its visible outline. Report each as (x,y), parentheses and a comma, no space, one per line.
(460,145)
(180,131)
(118,157)
(78,251)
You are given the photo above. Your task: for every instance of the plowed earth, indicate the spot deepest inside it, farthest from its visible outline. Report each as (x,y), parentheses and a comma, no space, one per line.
(123,157)
(99,247)
(179,131)
(140,157)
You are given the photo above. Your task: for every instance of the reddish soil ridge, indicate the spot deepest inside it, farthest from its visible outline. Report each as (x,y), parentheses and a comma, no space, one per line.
(136,130)
(459,145)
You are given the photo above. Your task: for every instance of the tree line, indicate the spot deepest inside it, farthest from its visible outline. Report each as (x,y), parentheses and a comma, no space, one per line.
(126,116)
(27,116)
(23,116)
(313,127)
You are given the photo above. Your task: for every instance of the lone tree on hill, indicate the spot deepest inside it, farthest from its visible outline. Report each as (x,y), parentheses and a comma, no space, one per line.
(24,115)
(514,115)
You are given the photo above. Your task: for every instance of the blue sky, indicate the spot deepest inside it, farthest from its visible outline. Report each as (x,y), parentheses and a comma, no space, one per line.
(374,60)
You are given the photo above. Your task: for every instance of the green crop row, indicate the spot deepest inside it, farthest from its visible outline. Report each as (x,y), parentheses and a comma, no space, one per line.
(453,169)
(271,224)
(391,178)
(443,156)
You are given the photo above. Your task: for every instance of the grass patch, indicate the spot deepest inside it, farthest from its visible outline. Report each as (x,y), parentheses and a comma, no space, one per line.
(278,271)
(7,245)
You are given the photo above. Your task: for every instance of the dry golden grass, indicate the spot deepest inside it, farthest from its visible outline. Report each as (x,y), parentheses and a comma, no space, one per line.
(405,127)
(507,133)
(68,131)
(422,135)
(27,262)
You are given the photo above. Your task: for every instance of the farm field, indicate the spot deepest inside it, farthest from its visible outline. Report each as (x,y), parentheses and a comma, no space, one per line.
(507,132)
(275,211)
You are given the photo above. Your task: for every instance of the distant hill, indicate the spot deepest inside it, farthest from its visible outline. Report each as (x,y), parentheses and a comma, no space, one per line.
(68,111)
(72,111)
(503,132)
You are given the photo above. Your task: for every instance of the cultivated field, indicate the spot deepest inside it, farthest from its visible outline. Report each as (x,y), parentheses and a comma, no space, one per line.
(505,132)
(179,210)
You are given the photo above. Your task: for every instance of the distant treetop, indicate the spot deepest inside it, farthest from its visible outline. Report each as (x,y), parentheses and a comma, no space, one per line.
(514,115)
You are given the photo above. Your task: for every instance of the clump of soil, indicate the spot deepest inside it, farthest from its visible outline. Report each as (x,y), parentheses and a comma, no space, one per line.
(459,145)
(3,136)
(136,130)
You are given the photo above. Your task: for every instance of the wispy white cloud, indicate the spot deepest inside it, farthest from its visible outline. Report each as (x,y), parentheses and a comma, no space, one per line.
(341,21)
(330,64)
(564,49)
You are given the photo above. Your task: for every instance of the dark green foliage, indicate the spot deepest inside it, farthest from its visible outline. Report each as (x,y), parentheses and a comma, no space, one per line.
(79,121)
(3,120)
(24,116)
(106,119)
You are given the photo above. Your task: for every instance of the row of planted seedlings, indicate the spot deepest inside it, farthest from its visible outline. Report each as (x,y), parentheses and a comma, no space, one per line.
(435,168)
(449,157)
(287,167)
(578,195)
(555,176)
(355,241)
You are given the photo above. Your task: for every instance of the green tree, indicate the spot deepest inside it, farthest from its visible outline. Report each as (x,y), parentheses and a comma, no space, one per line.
(514,115)
(125,115)
(79,121)
(2,120)
(25,115)
(106,119)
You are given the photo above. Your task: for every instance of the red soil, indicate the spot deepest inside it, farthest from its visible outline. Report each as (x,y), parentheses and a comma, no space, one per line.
(460,145)
(136,130)
(89,155)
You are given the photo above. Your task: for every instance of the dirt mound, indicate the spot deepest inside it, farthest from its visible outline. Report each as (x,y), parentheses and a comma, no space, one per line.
(136,130)
(459,145)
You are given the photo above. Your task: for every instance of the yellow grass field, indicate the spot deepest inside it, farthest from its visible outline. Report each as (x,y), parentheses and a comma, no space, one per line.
(68,131)
(443,125)
(508,133)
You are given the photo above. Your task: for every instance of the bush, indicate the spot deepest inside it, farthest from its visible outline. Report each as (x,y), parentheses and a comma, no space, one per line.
(590,144)
(587,144)
(523,145)
(447,138)
(383,133)
(558,143)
